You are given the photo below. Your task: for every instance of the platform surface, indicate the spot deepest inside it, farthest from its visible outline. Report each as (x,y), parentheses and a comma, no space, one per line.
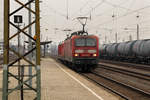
(60,83)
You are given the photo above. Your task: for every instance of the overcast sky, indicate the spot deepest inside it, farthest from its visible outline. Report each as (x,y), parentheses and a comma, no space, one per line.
(108,17)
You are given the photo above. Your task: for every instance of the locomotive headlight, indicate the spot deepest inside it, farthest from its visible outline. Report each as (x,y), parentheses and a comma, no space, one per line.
(91,51)
(76,55)
(94,55)
(79,51)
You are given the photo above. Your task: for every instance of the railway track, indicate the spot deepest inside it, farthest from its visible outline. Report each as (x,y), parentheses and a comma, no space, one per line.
(129,83)
(144,75)
(126,64)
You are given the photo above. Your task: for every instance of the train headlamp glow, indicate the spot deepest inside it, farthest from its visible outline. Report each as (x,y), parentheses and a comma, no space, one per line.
(94,55)
(91,51)
(76,55)
(79,51)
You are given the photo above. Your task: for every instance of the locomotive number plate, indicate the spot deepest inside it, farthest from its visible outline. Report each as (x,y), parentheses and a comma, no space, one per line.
(85,55)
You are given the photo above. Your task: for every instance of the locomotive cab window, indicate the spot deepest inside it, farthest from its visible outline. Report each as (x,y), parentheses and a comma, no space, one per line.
(90,42)
(85,42)
(80,42)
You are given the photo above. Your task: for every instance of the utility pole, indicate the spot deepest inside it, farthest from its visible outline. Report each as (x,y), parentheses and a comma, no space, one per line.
(44,49)
(105,39)
(19,67)
(138,28)
(96,31)
(55,29)
(30,42)
(123,40)
(116,37)
(137,31)
(67,30)
(18,52)
(67,9)
(130,37)
(24,41)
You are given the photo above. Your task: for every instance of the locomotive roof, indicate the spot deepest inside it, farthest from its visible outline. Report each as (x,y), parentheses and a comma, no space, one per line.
(78,36)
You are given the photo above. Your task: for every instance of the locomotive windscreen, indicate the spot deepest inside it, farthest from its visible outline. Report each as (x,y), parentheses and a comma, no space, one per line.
(85,42)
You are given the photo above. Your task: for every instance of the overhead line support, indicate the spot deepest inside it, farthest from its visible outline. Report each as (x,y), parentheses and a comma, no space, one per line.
(22,72)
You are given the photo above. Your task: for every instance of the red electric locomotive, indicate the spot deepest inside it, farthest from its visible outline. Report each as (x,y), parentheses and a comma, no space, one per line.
(80,51)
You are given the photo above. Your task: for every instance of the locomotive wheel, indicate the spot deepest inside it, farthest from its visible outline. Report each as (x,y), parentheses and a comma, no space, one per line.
(70,65)
(78,68)
(86,68)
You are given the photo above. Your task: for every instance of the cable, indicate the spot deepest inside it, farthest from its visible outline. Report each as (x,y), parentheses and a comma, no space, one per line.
(124,15)
(81,8)
(99,4)
(145,21)
(114,5)
(119,5)
(54,10)
(131,3)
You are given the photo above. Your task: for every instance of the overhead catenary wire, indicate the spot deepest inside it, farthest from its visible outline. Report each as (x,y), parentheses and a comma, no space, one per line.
(54,10)
(114,5)
(124,15)
(126,10)
(131,4)
(145,21)
(81,8)
(93,8)
(119,6)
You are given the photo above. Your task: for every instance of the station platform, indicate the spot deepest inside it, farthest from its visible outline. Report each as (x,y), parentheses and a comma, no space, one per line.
(61,83)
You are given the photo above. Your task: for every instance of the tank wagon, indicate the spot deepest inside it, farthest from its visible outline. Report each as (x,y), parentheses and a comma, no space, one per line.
(137,51)
(80,51)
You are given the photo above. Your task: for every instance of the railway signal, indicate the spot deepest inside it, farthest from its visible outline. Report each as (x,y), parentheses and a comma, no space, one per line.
(18,19)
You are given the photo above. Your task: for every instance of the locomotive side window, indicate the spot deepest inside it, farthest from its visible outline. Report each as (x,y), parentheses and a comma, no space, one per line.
(85,42)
